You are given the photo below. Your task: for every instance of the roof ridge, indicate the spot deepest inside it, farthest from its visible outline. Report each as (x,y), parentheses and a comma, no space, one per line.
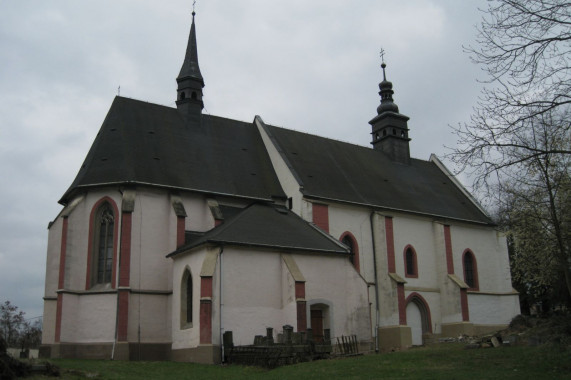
(333,139)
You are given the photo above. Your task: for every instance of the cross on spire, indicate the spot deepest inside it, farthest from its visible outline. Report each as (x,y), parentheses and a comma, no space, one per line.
(193,12)
(383,65)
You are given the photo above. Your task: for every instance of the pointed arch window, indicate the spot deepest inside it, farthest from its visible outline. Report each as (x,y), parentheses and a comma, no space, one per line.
(410,262)
(103,244)
(186,300)
(470,270)
(349,240)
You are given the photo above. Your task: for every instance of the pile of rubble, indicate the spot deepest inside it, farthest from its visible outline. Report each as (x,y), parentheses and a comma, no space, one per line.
(523,330)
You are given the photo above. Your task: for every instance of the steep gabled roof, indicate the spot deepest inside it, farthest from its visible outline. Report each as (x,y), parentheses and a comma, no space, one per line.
(267,226)
(339,171)
(145,143)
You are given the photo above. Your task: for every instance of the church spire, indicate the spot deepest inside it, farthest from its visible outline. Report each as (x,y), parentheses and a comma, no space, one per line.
(190,81)
(390,129)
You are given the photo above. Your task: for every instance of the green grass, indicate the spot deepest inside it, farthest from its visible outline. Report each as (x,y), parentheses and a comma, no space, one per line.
(445,361)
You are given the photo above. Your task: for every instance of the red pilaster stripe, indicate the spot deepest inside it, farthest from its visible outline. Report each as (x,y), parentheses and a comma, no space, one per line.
(448,246)
(125,265)
(180,231)
(123,321)
(402,304)
(124,276)
(389,233)
(61,277)
(206,310)
(464,304)
(58,317)
(299,289)
(205,321)
(321,216)
(206,286)
(301,306)
(301,316)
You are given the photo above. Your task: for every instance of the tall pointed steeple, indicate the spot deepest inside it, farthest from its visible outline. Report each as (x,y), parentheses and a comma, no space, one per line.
(190,82)
(390,128)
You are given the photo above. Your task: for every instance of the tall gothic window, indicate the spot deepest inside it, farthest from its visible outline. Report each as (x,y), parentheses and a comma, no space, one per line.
(348,239)
(105,224)
(186,300)
(349,243)
(410,265)
(470,270)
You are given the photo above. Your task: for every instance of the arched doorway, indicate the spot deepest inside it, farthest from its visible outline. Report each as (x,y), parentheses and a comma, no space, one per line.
(418,318)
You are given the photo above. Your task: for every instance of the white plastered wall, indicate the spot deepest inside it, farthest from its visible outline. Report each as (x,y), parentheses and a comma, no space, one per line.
(288,182)
(333,281)
(490,251)
(495,302)
(190,336)
(417,232)
(88,318)
(252,294)
(258,291)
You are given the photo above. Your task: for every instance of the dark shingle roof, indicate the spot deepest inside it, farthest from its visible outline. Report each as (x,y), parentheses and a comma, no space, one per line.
(335,170)
(264,225)
(145,143)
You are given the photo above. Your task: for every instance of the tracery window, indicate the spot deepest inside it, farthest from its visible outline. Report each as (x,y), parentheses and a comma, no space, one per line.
(105,227)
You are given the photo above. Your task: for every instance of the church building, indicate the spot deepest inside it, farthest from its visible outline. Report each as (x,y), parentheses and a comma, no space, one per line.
(180,226)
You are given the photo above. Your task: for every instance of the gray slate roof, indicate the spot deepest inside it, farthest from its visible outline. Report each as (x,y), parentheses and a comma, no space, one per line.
(145,143)
(335,170)
(265,225)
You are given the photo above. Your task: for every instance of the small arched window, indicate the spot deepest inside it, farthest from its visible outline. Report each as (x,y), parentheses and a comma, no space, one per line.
(193,96)
(349,240)
(182,95)
(186,300)
(410,264)
(470,269)
(103,244)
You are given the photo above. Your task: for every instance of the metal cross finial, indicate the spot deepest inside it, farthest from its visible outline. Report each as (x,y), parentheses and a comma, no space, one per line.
(382,54)
(383,65)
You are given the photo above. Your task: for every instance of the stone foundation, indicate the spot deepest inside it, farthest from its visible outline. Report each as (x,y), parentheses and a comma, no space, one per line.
(205,354)
(123,351)
(454,330)
(394,338)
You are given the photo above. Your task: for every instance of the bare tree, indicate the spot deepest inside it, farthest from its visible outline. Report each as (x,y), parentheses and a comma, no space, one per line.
(535,210)
(517,145)
(524,47)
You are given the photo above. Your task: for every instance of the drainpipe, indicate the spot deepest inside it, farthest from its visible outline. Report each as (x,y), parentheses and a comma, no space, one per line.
(376,283)
(221,305)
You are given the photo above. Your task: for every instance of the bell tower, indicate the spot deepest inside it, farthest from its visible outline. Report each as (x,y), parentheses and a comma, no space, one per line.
(190,82)
(389,127)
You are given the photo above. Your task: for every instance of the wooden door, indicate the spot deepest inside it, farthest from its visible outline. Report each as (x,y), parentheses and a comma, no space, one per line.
(317,325)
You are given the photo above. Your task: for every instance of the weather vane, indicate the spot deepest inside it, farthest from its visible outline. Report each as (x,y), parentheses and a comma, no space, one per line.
(193,3)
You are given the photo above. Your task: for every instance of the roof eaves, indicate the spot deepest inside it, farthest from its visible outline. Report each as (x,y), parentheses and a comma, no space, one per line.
(385,208)
(62,201)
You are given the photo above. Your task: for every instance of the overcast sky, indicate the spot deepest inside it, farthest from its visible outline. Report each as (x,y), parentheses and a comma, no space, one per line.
(312,66)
